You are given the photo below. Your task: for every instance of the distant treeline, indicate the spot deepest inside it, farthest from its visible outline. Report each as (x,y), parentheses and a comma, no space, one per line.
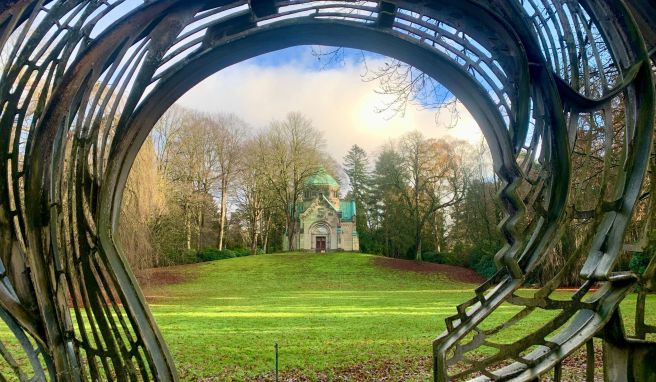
(204,183)
(427,199)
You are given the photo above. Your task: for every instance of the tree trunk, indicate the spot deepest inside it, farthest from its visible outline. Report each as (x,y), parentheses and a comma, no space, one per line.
(188,227)
(200,228)
(222,213)
(265,241)
(387,242)
(254,242)
(437,232)
(418,256)
(256,224)
(291,231)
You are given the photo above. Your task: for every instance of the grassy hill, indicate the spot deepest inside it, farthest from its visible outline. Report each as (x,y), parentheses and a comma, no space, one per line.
(336,317)
(340,316)
(332,314)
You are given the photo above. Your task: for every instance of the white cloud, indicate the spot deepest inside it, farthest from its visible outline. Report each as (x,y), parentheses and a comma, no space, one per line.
(339,103)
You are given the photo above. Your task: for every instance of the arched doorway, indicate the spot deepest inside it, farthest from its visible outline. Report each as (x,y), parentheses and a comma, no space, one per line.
(321,237)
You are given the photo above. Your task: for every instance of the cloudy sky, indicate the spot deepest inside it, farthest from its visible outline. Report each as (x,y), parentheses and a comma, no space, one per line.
(334,97)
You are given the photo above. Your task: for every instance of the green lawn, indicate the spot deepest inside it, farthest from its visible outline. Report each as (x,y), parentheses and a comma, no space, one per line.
(329,313)
(336,317)
(325,311)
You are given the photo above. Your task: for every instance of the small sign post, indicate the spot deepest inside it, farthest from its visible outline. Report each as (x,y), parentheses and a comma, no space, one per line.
(276,348)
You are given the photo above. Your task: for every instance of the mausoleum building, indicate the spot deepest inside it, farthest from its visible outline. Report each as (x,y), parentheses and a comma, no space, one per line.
(325,222)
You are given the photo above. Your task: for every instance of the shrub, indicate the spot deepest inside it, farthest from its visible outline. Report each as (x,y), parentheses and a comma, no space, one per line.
(640,260)
(486,266)
(241,252)
(213,254)
(456,259)
(181,257)
(480,258)
(449,258)
(430,256)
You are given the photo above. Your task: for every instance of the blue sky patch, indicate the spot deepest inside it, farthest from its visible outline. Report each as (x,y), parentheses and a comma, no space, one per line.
(313,58)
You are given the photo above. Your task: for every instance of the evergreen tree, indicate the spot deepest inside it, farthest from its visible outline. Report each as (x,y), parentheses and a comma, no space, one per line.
(356,167)
(389,221)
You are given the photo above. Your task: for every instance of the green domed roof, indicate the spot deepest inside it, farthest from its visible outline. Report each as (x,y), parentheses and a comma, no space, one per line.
(321,178)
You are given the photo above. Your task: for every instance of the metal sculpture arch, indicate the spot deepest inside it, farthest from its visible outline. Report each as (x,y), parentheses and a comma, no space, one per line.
(84,81)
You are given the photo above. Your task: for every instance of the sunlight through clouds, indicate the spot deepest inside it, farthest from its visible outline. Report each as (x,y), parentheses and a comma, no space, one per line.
(337,100)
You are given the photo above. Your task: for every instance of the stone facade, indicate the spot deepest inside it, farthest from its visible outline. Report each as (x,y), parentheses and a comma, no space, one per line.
(325,223)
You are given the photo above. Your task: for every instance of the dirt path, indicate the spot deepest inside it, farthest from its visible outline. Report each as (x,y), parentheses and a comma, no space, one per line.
(155,277)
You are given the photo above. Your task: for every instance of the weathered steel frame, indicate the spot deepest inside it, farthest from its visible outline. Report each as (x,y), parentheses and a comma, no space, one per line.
(84,81)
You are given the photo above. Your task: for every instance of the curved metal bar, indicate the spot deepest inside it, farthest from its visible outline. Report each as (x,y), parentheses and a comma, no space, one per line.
(582,103)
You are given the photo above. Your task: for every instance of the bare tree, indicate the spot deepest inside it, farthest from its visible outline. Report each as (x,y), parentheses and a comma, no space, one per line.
(403,84)
(290,152)
(192,171)
(143,201)
(228,139)
(254,197)
(164,134)
(406,85)
(429,179)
